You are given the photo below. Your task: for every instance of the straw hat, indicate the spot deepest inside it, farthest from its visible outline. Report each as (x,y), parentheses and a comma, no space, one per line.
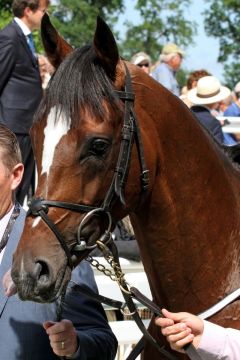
(208,91)
(237,87)
(171,48)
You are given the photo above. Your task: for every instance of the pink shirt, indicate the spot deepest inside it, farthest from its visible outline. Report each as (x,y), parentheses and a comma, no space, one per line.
(218,343)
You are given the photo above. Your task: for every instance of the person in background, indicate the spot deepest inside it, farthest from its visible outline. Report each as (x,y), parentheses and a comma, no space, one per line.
(142,60)
(30,330)
(212,342)
(206,97)
(224,104)
(183,92)
(234,108)
(46,70)
(194,76)
(125,240)
(20,81)
(170,62)
(192,83)
(217,110)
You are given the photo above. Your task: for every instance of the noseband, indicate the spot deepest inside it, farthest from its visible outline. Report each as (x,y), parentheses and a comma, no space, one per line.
(40,207)
(130,133)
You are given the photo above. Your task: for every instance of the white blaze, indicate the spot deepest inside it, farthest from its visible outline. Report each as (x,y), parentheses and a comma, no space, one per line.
(36,221)
(56,128)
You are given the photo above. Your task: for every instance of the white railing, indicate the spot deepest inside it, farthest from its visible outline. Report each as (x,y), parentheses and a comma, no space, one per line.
(128,335)
(126,331)
(234,124)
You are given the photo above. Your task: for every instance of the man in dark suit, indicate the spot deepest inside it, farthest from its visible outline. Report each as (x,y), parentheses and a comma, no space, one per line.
(206,97)
(30,330)
(20,82)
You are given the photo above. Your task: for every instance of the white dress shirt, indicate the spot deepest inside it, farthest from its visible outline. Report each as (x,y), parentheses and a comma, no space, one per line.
(23,26)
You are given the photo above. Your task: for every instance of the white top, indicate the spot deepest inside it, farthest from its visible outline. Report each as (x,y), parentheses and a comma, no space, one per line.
(3,224)
(218,343)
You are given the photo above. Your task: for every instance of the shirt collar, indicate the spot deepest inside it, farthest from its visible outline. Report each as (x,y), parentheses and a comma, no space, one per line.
(25,29)
(4,221)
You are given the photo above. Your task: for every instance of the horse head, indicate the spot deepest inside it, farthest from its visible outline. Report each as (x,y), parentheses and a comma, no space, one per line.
(83,187)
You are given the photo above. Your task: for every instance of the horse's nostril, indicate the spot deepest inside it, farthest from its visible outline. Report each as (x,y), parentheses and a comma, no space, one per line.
(42,271)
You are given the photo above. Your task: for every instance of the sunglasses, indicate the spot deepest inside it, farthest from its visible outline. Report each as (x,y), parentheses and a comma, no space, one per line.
(144,64)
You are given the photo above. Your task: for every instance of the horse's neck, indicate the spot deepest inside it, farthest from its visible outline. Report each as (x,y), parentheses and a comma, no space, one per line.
(182,227)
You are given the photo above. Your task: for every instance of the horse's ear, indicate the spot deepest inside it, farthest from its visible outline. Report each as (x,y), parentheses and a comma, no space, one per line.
(55,46)
(106,48)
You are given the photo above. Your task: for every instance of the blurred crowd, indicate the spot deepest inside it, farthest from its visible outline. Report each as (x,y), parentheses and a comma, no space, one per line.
(203,93)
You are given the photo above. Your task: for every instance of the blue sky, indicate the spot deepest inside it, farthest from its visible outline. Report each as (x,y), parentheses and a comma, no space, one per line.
(205,51)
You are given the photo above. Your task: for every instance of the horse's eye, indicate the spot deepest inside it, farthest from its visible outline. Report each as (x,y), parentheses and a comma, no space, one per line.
(99,147)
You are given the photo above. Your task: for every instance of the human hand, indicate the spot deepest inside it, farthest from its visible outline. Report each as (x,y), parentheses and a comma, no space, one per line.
(8,284)
(63,337)
(180,329)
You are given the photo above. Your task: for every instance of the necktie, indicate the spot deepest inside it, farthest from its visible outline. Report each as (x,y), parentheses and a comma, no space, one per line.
(31,44)
(7,232)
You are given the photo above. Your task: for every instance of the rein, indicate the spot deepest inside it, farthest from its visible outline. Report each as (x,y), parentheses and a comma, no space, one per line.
(40,207)
(110,253)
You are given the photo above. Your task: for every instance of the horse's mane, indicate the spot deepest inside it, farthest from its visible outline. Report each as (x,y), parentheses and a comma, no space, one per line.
(79,82)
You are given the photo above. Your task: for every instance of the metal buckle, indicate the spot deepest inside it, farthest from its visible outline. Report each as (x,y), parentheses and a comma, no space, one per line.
(81,244)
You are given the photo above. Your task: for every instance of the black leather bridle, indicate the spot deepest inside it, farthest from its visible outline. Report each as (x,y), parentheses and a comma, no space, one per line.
(40,207)
(130,133)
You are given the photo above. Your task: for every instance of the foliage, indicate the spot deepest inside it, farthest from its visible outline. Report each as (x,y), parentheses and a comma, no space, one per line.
(222,20)
(5,17)
(5,5)
(161,21)
(182,76)
(76,19)
(5,12)
(232,74)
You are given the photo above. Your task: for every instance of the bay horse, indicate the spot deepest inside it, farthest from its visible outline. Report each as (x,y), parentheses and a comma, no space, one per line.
(187,222)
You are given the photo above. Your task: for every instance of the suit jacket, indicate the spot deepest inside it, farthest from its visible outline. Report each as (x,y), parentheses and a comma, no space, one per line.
(20,82)
(22,336)
(208,121)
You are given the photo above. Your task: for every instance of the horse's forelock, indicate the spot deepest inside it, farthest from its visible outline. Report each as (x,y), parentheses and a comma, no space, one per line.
(79,82)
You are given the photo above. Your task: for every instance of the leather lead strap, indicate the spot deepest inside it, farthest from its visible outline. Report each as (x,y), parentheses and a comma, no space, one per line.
(189,348)
(132,308)
(138,348)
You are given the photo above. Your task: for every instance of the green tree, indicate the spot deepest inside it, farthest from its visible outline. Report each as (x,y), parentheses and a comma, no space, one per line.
(5,18)
(232,73)
(5,5)
(161,21)
(222,20)
(5,12)
(76,19)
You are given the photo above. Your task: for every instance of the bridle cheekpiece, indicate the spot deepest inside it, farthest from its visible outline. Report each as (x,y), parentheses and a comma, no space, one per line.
(130,133)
